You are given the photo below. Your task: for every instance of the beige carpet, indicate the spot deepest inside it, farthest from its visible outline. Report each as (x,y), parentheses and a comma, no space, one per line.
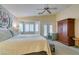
(61,49)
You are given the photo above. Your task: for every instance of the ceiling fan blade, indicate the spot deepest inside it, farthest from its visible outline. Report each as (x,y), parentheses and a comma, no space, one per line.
(40,9)
(48,11)
(42,12)
(53,8)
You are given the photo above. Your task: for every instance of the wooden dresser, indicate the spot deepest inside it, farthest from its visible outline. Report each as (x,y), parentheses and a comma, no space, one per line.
(66,31)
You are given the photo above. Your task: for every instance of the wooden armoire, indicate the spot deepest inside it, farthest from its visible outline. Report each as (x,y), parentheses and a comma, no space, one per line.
(66,31)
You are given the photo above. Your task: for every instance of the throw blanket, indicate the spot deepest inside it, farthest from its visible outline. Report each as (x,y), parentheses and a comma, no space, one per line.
(23,44)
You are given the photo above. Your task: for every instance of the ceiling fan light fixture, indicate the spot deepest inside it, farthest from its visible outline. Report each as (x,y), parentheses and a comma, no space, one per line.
(47,9)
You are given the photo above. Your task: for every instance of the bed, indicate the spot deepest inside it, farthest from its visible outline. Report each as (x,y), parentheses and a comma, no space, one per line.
(24,44)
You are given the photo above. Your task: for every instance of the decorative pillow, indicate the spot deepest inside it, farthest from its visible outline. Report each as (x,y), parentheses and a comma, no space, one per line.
(5,34)
(12,33)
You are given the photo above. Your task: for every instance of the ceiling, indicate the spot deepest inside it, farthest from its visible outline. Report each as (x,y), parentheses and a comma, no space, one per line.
(21,10)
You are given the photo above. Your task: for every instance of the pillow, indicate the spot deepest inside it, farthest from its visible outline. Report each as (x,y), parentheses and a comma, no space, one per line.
(5,34)
(11,33)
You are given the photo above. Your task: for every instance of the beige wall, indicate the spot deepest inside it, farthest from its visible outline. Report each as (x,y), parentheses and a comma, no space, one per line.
(51,19)
(71,12)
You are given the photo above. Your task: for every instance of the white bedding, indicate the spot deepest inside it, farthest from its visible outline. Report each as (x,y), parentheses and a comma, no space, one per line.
(23,44)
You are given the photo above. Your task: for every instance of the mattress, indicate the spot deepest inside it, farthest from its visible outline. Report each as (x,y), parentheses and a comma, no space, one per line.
(24,44)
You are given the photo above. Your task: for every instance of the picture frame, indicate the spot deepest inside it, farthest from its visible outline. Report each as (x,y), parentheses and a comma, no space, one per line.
(4,19)
(0,17)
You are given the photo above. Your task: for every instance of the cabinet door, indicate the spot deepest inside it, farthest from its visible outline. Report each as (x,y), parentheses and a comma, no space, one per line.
(60,28)
(65,32)
(71,31)
(71,26)
(62,31)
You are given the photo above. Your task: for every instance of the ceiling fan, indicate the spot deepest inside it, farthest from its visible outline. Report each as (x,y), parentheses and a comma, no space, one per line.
(46,9)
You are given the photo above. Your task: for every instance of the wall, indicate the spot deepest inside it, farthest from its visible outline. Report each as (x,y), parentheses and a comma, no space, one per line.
(71,12)
(4,32)
(11,16)
(51,19)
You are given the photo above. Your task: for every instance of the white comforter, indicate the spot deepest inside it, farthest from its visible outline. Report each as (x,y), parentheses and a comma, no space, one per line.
(23,44)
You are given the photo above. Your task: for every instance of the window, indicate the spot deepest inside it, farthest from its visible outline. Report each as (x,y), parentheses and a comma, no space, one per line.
(36,27)
(45,30)
(31,28)
(48,29)
(21,27)
(28,27)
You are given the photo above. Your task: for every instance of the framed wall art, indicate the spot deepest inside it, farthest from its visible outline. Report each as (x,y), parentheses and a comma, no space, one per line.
(0,17)
(4,19)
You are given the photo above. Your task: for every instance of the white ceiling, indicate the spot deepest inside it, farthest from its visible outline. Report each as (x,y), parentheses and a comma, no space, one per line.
(31,9)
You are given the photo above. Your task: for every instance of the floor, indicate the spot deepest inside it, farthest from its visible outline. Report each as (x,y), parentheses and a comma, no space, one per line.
(61,49)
